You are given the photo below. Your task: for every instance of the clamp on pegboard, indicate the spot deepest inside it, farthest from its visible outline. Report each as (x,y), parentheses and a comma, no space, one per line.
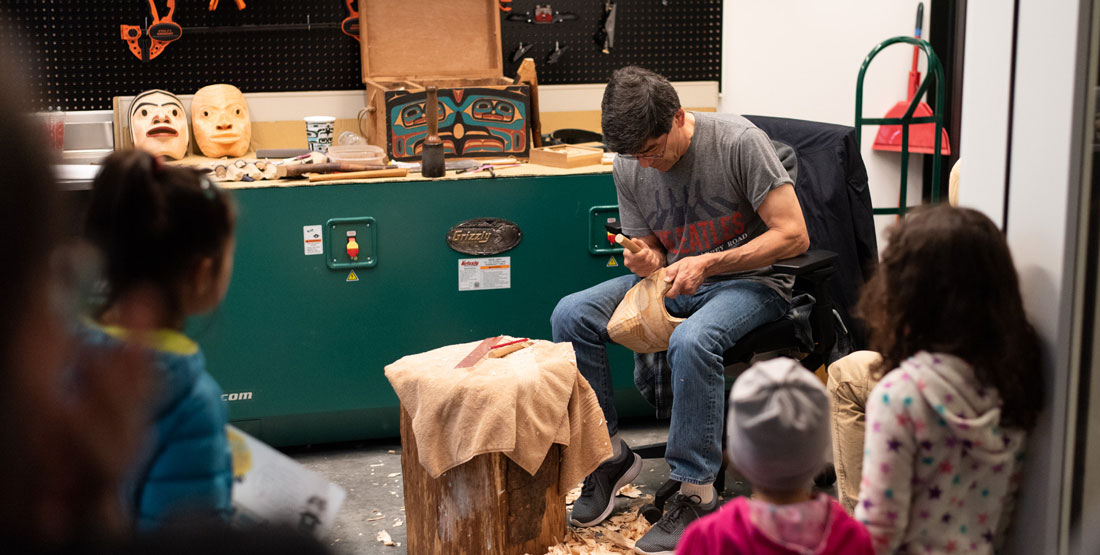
(160,33)
(542,14)
(350,24)
(214,5)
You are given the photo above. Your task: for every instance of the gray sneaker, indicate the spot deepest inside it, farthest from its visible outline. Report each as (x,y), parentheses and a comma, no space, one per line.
(665,534)
(597,498)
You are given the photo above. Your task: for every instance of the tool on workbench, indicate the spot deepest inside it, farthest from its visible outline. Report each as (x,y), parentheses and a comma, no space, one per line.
(605,33)
(505,5)
(543,14)
(556,53)
(370,174)
(296,170)
(160,33)
(414,167)
(431,151)
(350,25)
(521,50)
(491,168)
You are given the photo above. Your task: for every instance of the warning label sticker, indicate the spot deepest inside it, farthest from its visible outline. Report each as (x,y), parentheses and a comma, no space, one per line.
(475,274)
(313,241)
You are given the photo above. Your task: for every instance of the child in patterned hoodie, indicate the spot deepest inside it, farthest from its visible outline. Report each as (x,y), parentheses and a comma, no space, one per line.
(946,424)
(778,437)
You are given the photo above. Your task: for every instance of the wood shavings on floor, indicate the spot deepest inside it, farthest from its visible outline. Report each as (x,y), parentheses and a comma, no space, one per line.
(572,495)
(384,537)
(615,536)
(630,491)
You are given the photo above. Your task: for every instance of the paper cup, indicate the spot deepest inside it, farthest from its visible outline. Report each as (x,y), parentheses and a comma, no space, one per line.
(319,131)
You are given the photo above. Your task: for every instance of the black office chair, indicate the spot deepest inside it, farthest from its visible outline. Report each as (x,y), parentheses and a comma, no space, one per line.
(831,184)
(570,136)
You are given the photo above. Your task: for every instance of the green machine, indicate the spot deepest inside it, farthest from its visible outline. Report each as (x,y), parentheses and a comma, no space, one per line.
(301,340)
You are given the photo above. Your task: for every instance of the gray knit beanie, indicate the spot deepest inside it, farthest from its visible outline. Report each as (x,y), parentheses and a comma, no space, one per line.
(778,425)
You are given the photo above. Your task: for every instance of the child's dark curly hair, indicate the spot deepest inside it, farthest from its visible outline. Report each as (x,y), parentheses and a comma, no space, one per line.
(947,284)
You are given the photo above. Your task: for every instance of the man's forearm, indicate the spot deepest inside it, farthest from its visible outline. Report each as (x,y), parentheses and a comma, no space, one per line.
(769,247)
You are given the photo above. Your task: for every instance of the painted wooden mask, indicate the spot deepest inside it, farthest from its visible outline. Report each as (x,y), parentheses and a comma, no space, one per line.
(220,117)
(158,124)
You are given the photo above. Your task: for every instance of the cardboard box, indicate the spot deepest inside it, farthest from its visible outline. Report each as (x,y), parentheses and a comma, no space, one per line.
(455,46)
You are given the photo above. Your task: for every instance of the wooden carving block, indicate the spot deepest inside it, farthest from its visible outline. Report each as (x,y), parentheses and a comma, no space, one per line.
(566,156)
(486,505)
(641,322)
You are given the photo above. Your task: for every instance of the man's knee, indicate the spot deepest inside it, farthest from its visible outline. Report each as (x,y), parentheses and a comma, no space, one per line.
(688,338)
(565,313)
(853,371)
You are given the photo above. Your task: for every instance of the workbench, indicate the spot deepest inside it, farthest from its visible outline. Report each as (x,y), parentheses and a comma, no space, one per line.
(299,346)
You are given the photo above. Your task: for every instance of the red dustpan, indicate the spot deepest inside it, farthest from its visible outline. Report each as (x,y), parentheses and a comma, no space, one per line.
(922,136)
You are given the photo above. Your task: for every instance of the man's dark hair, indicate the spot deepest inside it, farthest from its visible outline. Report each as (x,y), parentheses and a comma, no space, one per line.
(638,105)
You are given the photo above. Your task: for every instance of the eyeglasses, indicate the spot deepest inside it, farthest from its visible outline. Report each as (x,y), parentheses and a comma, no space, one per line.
(648,156)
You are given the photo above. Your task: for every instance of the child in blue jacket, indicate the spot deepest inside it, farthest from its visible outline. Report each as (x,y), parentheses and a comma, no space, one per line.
(166,237)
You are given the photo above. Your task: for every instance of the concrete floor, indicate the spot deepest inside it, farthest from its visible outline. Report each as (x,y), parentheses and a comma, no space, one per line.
(370,472)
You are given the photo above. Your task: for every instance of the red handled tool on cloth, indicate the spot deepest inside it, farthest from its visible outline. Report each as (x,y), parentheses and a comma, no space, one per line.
(160,33)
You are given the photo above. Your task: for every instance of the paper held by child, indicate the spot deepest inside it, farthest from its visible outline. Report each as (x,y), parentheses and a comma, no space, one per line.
(270,488)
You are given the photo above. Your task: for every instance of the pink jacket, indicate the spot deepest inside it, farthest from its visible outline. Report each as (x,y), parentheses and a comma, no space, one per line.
(734,529)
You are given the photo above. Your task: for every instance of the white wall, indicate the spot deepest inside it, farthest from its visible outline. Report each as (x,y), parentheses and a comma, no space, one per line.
(1044,208)
(987,66)
(801,58)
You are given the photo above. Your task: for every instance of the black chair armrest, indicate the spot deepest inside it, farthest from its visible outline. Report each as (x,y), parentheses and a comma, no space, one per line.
(805,263)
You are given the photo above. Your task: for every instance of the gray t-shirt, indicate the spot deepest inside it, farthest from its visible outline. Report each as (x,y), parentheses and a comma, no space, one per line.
(707,201)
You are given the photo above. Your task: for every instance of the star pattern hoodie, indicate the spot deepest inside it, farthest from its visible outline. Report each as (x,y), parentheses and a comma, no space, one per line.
(939,471)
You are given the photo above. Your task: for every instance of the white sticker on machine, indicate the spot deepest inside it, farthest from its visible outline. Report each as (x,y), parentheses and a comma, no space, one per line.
(475,274)
(313,240)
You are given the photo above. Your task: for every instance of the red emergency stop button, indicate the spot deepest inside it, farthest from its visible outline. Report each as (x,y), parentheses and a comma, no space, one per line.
(353,247)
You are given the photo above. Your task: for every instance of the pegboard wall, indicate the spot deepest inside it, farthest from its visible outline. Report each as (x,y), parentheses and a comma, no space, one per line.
(680,39)
(74,55)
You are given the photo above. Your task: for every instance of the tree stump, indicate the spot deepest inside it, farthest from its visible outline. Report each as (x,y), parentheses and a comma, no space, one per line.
(486,505)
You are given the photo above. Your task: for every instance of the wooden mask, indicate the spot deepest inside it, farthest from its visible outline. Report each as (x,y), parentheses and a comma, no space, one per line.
(220,117)
(158,124)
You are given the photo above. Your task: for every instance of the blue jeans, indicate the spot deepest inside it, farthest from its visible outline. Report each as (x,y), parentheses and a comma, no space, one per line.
(718,314)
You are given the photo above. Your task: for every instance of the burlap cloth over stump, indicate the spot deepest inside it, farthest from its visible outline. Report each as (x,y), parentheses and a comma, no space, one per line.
(517,405)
